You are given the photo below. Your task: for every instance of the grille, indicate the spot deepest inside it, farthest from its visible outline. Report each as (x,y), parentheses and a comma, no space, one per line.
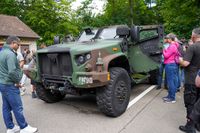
(55,65)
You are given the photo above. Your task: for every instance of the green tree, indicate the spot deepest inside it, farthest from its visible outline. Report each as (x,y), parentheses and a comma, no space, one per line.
(49,18)
(10,7)
(46,17)
(124,12)
(180,16)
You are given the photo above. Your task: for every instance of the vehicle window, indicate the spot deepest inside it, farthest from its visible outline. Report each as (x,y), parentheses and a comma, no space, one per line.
(147,34)
(108,33)
(85,37)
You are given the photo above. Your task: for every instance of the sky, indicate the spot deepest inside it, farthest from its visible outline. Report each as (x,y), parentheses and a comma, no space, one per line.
(96,4)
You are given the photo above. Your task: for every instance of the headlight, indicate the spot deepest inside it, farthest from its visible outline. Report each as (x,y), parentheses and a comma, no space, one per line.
(88,56)
(81,59)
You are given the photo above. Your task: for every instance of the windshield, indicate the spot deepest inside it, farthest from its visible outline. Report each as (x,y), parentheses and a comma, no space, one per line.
(84,37)
(105,33)
(108,33)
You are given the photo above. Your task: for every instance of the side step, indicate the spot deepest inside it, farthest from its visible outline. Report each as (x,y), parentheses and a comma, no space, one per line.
(138,77)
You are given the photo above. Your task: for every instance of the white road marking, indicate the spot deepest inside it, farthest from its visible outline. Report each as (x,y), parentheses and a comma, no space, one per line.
(140,96)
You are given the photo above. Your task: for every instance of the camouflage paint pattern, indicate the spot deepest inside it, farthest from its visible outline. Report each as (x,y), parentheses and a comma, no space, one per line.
(94,48)
(93,74)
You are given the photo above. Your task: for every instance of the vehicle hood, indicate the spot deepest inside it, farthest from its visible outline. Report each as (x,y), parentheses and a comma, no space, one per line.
(80,46)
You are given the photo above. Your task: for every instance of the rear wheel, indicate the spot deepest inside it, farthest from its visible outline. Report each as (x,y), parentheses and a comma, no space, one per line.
(47,95)
(153,77)
(113,99)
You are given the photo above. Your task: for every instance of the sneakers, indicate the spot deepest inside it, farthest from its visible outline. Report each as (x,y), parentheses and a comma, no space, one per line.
(168,100)
(165,98)
(13,130)
(29,129)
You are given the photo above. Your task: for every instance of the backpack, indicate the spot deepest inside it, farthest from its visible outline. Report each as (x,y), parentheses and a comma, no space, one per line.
(179,52)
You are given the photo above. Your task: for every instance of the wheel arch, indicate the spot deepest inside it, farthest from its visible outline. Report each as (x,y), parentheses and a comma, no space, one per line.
(117,61)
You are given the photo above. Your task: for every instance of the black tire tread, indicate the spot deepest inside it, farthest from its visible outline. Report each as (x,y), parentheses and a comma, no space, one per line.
(47,96)
(104,95)
(153,77)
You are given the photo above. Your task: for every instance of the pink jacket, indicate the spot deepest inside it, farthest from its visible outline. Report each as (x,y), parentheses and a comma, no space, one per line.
(170,53)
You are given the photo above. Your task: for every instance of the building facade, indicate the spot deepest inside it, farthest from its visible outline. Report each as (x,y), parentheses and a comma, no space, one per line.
(11,25)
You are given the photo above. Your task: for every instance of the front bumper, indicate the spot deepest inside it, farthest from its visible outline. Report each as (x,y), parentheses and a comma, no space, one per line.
(78,79)
(90,79)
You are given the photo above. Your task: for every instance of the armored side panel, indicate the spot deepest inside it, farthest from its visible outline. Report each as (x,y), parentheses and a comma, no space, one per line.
(145,53)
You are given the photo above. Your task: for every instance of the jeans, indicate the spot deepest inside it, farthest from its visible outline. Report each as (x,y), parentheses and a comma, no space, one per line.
(171,73)
(180,80)
(182,76)
(160,76)
(178,83)
(12,102)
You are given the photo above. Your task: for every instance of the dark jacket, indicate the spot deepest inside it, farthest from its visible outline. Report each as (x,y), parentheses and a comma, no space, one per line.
(10,72)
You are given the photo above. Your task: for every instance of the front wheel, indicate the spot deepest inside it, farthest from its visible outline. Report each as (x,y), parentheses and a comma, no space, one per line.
(113,99)
(47,95)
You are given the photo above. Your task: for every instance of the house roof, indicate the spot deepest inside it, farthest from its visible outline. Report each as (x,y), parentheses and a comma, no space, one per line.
(11,25)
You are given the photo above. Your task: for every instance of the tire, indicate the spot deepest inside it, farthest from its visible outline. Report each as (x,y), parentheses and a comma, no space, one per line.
(48,95)
(113,99)
(153,77)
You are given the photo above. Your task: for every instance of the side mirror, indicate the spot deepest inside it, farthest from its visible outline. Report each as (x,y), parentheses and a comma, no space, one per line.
(123,31)
(134,32)
(56,40)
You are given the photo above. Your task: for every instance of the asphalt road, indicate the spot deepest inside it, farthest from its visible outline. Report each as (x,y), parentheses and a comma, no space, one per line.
(80,114)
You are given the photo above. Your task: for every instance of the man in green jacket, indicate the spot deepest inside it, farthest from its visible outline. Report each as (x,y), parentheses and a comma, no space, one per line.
(10,76)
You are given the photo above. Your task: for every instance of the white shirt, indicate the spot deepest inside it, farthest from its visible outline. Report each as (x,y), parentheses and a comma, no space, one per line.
(20,57)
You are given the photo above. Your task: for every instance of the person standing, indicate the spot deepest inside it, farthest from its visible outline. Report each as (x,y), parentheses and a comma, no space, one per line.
(27,58)
(191,62)
(10,76)
(171,69)
(162,67)
(195,115)
(21,61)
(32,64)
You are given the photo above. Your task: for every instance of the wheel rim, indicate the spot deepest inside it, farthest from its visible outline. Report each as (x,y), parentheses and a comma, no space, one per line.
(121,92)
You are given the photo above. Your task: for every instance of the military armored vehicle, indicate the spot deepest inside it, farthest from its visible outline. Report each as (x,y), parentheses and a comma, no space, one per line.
(106,61)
